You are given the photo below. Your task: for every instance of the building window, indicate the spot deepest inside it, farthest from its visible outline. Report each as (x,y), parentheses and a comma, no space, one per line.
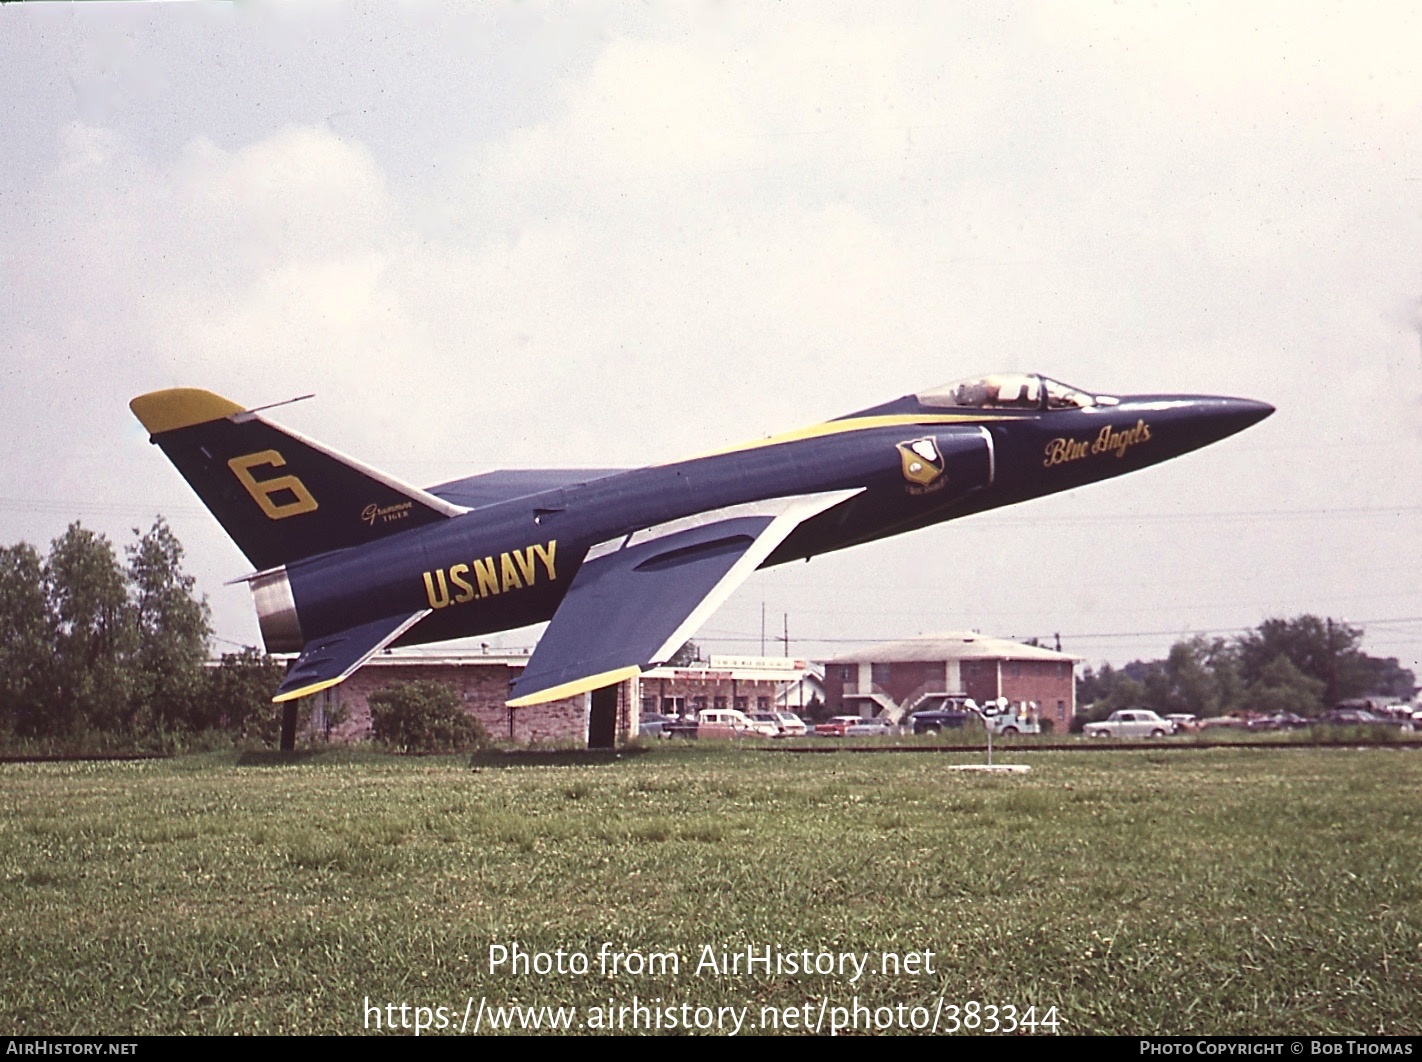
(699,703)
(720,703)
(649,704)
(1016,669)
(741,704)
(879,674)
(1061,709)
(762,704)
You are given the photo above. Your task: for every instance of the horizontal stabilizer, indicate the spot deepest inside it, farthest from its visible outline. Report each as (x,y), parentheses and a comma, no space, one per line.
(327,661)
(635,601)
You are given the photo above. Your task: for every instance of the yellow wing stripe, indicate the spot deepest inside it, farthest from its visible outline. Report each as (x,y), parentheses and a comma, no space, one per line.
(307,691)
(839,427)
(577,686)
(180,407)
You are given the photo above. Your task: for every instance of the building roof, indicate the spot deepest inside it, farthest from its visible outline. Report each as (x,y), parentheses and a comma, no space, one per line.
(423,656)
(950,645)
(741,668)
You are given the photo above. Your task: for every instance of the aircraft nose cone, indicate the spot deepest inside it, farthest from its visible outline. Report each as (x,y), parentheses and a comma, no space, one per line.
(1182,423)
(1241,413)
(1210,419)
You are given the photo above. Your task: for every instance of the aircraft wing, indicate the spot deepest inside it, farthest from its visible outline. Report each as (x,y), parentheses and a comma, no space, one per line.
(636,600)
(326,661)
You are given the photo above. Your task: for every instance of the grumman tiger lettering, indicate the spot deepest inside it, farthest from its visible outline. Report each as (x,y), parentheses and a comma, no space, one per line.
(386,513)
(513,570)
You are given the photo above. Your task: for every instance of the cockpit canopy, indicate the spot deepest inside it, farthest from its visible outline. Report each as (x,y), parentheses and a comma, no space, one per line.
(1011,390)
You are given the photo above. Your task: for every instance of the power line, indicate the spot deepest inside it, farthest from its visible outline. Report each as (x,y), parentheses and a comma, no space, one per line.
(1079,636)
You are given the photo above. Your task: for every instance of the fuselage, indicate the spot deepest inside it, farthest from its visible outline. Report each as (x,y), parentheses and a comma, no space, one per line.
(912,463)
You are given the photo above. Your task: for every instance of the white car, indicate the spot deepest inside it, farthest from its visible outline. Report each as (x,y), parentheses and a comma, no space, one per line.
(1134,723)
(870,728)
(787,724)
(729,723)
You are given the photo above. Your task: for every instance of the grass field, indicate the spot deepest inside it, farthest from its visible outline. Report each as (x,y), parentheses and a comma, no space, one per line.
(1243,890)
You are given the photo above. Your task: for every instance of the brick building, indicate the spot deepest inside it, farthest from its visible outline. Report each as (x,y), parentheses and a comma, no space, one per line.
(745,683)
(342,712)
(891,678)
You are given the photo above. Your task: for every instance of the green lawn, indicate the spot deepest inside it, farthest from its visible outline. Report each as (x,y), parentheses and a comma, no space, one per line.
(1249,890)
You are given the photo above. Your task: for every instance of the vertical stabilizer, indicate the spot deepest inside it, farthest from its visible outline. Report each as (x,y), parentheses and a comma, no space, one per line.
(280,496)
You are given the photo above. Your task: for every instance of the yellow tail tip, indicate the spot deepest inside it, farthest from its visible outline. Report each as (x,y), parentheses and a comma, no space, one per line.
(180,407)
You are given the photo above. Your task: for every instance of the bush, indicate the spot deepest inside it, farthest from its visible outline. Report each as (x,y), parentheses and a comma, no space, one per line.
(424,717)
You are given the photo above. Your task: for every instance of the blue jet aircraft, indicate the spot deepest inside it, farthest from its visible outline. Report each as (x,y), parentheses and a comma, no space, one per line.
(627,563)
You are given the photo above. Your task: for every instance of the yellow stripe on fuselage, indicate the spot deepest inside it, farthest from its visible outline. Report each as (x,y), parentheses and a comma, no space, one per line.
(840,427)
(577,686)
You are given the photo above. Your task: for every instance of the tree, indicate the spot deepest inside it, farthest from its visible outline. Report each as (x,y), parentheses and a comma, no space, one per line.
(172,629)
(687,655)
(1094,685)
(1326,650)
(1299,665)
(95,635)
(238,697)
(27,637)
(423,717)
(1282,687)
(1202,678)
(1388,678)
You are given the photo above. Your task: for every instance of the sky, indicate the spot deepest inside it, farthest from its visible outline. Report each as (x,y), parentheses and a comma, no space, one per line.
(522,235)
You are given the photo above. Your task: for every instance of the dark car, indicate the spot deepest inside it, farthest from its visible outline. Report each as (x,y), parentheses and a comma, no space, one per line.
(1279,721)
(948,716)
(654,724)
(1359,717)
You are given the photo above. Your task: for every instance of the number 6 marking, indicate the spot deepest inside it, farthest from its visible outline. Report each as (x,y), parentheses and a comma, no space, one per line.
(262,490)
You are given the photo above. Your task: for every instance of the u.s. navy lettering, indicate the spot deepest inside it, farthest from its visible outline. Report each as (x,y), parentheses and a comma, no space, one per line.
(514,570)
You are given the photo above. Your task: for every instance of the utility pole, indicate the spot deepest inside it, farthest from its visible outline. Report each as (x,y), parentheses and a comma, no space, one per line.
(1332,691)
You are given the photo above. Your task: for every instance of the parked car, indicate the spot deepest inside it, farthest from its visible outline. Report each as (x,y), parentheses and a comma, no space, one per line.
(654,724)
(1183,721)
(1359,717)
(940,713)
(729,723)
(1278,721)
(791,725)
(1229,722)
(836,726)
(932,720)
(870,728)
(787,724)
(1132,723)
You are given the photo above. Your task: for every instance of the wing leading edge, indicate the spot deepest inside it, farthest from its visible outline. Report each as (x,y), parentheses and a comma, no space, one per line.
(635,601)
